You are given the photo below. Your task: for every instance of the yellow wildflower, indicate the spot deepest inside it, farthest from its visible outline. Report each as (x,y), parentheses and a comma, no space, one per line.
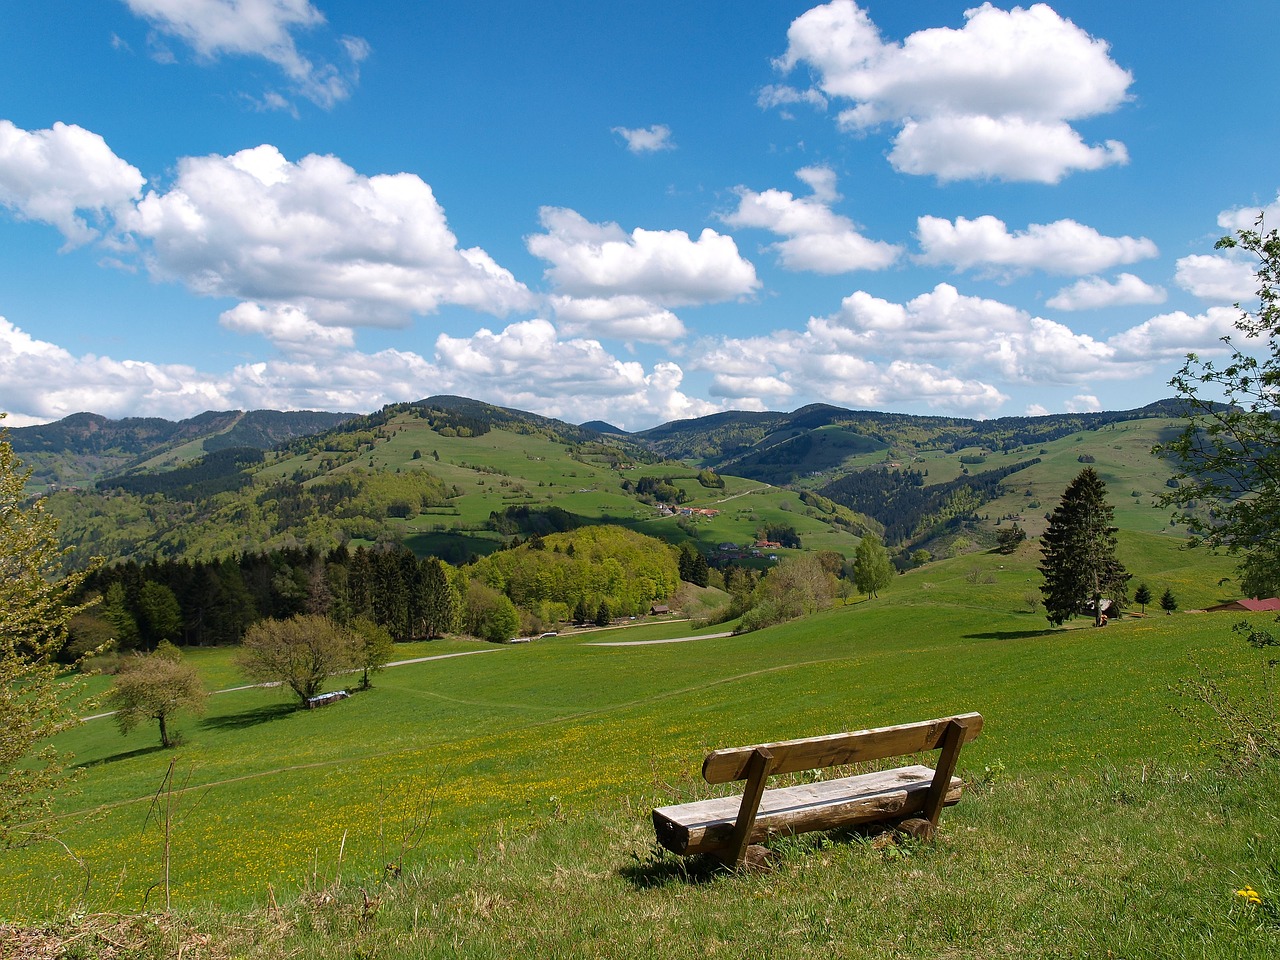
(1250,895)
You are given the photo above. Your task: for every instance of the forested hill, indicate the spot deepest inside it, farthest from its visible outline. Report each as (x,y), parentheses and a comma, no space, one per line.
(458,479)
(781,448)
(85,447)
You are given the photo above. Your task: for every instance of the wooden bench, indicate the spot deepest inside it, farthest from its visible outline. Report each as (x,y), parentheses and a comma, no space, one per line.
(726,827)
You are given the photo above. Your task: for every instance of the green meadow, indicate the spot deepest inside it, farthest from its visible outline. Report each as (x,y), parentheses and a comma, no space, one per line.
(495,801)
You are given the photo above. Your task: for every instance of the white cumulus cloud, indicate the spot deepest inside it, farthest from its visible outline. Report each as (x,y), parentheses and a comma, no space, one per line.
(288,328)
(60,175)
(41,382)
(1092,293)
(647,139)
(1064,246)
(1084,403)
(942,349)
(666,267)
(1171,336)
(1214,277)
(529,366)
(343,248)
(818,239)
(259,28)
(620,318)
(525,365)
(994,99)
(1246,217)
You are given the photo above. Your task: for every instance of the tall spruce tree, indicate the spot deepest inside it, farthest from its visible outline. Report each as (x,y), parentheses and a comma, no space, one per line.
(1079,548)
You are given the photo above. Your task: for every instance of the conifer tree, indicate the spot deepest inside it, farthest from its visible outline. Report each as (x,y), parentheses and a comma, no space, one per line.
(1142,596)
(1079,550)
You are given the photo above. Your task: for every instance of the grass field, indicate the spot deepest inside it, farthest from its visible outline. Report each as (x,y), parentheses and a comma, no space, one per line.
(510,789)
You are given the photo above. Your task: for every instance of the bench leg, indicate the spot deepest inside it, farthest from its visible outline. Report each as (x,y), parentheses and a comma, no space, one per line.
(936,798)
(759,767)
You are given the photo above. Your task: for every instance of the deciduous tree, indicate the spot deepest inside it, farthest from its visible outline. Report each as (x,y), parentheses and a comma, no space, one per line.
(376,649)
(1228,490)
(872,571)
(301,653)
(35,702)
(156,686)
(1079,550)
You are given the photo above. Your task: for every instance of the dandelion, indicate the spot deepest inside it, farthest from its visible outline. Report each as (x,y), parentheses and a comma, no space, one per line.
(1250,896)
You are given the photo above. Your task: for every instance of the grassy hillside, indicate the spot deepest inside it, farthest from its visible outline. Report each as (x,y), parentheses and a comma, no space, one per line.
(507,782)
(457,478)
(432,489)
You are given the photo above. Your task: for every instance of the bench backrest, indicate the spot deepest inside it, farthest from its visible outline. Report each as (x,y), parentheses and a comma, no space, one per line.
(723,766)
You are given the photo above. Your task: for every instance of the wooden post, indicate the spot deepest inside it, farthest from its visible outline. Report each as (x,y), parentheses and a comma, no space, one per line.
(952,741)
(759,767)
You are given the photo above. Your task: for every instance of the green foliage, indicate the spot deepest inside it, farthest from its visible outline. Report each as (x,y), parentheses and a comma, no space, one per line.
(872,571)
(441,610)
(1078,547)
(300,653)
(375,651)
(693,565)
(1168,602)
(1142,596)
(35,608)
(161,614)
(796,587)
(155,687)
(783,534)
(489,614)
(1229,451)
(1008,539)
(587,565)
(911,511)
(219,472)
(709,478)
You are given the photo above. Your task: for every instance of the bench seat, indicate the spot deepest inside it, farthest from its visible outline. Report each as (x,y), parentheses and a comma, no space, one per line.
(706,826)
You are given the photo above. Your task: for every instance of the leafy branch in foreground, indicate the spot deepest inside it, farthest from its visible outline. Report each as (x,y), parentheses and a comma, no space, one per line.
(35,702)
(1229,450)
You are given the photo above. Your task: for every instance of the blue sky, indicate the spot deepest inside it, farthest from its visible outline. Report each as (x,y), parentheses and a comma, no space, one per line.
(629,212)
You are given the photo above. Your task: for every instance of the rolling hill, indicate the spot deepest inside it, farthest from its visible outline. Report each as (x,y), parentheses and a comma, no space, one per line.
(457,478)
(85,447)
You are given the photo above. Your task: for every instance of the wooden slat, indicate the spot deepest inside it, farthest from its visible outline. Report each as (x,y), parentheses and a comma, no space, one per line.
(723,766)
(706,826)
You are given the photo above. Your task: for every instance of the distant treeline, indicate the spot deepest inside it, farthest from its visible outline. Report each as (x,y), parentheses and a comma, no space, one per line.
(216,601)
(544,581)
